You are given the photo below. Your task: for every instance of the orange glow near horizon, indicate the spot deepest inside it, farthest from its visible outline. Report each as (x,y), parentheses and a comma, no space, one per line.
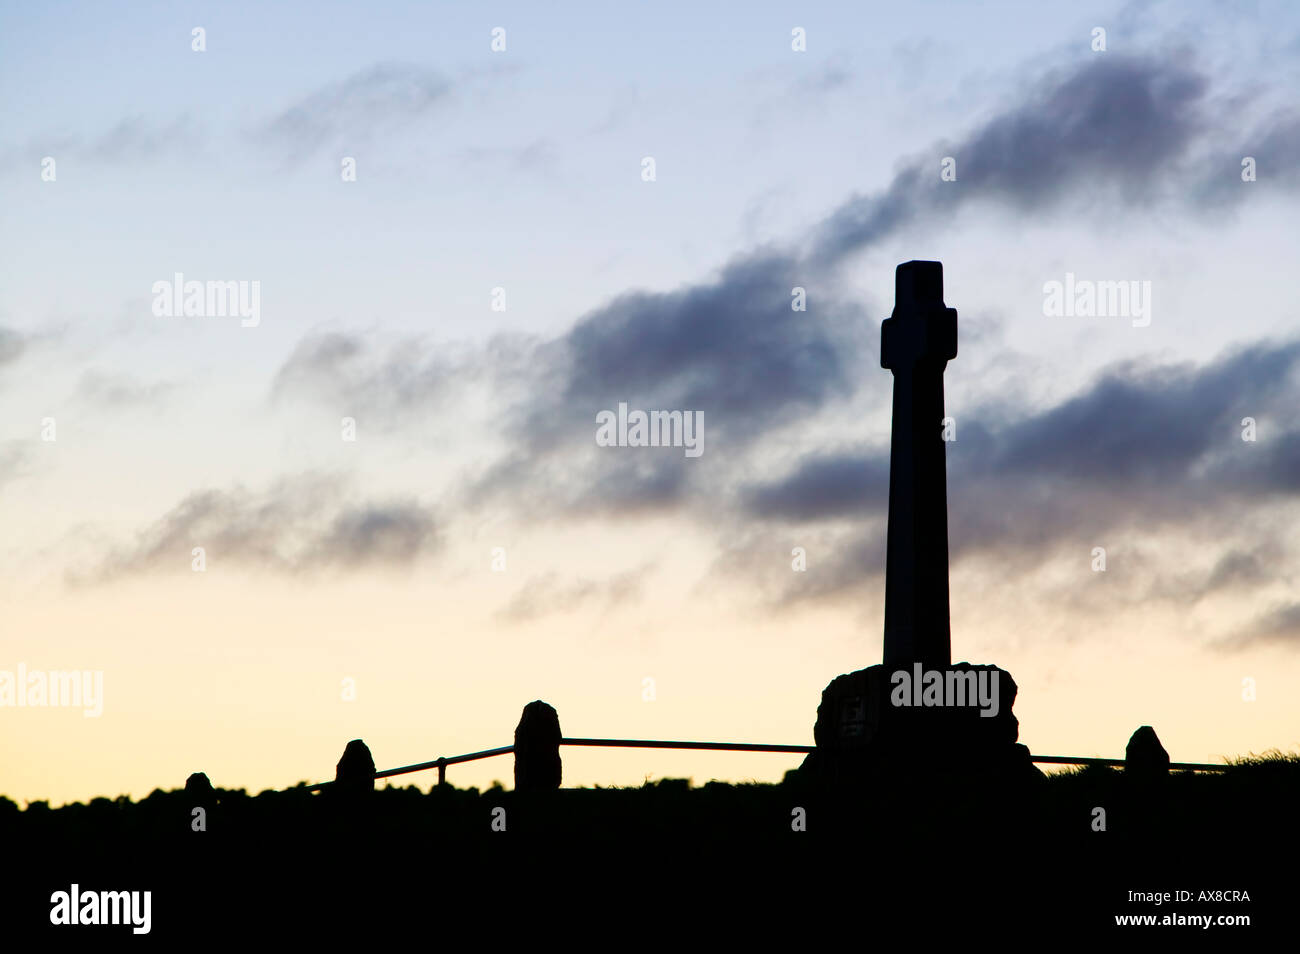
(241,679)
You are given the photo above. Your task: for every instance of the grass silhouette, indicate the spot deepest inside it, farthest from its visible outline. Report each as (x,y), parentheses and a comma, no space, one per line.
(900,846)
(1252,796)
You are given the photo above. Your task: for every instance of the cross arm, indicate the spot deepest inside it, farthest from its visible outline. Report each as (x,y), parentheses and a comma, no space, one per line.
(921,329)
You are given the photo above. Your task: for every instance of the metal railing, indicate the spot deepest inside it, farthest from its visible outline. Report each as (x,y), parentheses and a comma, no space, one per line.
(1119,763)
(441,763)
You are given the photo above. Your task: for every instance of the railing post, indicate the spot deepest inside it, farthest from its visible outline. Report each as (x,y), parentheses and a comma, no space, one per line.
(537,749)
(1145,759)
(199,788)
(201,799)
(355,773)
(442,770)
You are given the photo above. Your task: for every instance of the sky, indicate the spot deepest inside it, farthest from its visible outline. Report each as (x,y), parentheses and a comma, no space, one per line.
(473,228)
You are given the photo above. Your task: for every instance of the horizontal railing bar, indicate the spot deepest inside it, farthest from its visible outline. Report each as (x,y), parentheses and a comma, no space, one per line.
(756,747)
(736,747)
(449,760)
(1119,763)
(425,766)
(726,746)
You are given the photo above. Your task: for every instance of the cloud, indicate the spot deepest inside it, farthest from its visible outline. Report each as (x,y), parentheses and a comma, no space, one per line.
(389,534)
(352,112)
(13,457)
(130,140)
(842,561)
(384,97)
(324,365)
(731,346)
(826,485)
(732,349)
(12,346)
(1280,625)
(549,594)
(624,102)
(539,155)
(1115,123)
(1144,426)
(137,138)
(1144,446)
(1148,424)
(299,525)
(1274,144)
(825,78)
(390,380)
(1239,568)
(106,389)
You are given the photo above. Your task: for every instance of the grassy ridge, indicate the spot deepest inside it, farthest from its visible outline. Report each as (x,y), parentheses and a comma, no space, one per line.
(1253,792)
(948,849)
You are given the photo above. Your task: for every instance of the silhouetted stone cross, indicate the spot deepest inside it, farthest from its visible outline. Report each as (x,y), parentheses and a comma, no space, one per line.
(916,343)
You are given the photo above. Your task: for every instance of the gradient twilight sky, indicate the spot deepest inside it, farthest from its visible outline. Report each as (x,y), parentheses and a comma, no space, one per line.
(370,560)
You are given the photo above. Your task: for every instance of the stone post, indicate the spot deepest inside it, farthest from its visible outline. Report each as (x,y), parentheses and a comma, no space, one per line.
(537,749)
(355,773)
(1144,757)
